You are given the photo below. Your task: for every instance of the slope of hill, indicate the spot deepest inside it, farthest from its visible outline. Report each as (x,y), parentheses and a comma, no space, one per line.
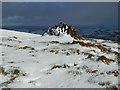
(35,61)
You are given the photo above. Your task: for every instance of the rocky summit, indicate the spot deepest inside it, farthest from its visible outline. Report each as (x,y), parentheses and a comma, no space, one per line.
(61,29)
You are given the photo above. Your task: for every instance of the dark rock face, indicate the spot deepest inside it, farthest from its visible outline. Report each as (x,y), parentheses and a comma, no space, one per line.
(71,31)
(62,29)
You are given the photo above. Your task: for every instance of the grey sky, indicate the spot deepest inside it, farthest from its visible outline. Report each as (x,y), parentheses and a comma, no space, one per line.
(60,0)
(51,13)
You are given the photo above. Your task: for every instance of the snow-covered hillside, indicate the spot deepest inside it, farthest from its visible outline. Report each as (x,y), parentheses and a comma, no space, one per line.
(35,61)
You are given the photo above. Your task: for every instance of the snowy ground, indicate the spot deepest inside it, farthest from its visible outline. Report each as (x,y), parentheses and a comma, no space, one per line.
(35,61)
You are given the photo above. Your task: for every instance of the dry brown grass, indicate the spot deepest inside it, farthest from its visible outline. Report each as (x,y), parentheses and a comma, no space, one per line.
(91,71)
(27,47)
(83,44)
(91,39)
(117,56)
(60,66)
(101,47)
(56,66)
(105,60)
(78,38)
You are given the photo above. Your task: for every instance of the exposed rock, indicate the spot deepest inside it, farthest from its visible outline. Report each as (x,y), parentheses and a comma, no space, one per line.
(116,73)
(61,29)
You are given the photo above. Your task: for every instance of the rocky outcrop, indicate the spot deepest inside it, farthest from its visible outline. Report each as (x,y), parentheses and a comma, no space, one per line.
(61,29)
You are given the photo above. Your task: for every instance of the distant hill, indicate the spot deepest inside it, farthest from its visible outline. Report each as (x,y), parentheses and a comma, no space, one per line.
(100,32)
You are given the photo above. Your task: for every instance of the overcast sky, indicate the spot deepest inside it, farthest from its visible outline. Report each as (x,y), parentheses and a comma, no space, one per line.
(79,13)
(59,0)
